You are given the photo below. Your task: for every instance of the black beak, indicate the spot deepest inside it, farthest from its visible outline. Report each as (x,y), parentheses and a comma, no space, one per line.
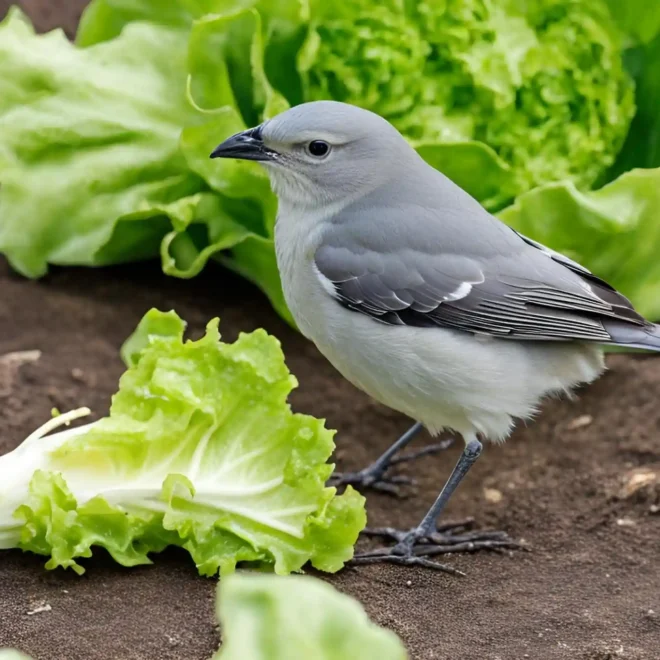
(248,145)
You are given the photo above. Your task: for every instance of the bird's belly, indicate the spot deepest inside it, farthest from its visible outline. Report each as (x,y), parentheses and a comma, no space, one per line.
(444,378)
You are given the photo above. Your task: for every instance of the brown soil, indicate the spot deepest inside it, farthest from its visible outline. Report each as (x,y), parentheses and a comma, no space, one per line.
(589,590)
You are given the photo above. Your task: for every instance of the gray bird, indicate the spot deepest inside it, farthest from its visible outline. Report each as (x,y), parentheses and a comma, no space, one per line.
(420,297)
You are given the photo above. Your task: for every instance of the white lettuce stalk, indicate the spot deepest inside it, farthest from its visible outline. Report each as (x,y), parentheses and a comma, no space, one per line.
(18,466)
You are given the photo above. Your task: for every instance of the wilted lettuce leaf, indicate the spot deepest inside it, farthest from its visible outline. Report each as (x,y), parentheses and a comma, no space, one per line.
(200,450)
(297,618)
(13,654)
(614,231)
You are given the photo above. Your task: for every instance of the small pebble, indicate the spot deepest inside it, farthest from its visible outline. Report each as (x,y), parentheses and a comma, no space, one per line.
(78,374)
(493,495)
(173,639)
(579,422)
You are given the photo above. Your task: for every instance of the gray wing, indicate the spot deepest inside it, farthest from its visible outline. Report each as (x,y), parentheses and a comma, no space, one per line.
(482,278)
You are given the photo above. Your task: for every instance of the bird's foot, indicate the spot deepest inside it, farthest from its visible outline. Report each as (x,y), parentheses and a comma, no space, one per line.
(375,476)
(413,547)
(373,479)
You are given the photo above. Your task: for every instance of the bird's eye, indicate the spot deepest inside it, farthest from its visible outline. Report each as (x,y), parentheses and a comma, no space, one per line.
(318,148)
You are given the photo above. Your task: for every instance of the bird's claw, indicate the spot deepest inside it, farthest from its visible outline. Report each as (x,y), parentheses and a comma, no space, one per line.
(413,547)
(375,480)
(405,560)
(398,535)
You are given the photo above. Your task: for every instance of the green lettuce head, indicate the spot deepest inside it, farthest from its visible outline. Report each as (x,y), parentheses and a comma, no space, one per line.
(541,82)
(365,55)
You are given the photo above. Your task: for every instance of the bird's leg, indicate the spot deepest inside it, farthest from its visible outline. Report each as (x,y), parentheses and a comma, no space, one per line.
(428,538)
(374,476)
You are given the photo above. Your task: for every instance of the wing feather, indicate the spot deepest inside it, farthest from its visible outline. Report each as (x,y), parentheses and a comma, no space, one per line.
(522,290)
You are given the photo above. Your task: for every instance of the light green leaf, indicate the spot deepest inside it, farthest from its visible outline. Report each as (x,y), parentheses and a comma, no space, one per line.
(614,231)
(218,45)
(103,20)
(90,166)
(226,61)
(228,82)
(154,324)
(56,524)
(237,179)
(640,18)
(254,259)
(459,161)
(200,450)
(137,235)
(297,618)
(284,31)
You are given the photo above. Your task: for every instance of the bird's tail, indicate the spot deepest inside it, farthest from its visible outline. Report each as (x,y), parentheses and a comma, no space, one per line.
(634,336)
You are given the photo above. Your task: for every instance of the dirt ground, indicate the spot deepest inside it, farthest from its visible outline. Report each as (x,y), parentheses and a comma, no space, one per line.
(589,590)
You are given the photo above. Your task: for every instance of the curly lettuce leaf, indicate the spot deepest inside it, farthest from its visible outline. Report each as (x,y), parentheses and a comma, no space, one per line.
(297,618)
(614,231)
(56,524)
(507,72)
(200,450)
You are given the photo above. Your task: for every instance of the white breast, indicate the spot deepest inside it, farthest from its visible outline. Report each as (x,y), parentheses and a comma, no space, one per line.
(296,241)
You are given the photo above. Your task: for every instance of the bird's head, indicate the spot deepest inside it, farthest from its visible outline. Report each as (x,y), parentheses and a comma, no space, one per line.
(320,152)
